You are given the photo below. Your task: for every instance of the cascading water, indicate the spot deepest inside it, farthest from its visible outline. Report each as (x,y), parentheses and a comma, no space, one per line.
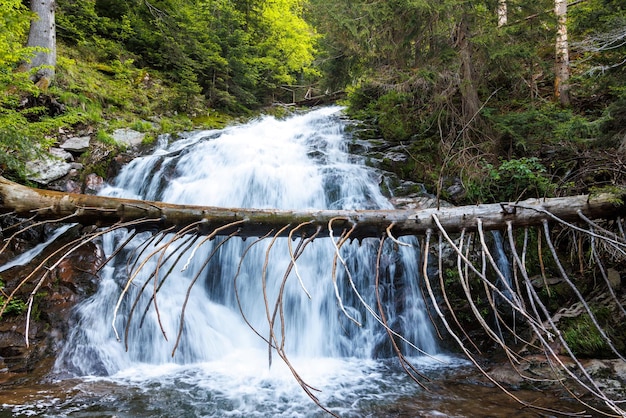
(220,366)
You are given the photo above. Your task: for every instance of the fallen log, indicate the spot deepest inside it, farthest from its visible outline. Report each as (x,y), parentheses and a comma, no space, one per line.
(103,211)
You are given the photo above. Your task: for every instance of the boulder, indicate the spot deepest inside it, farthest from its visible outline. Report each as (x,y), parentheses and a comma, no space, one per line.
(61,154)
(93,184)
(78,144)
(47,169)
(128,137)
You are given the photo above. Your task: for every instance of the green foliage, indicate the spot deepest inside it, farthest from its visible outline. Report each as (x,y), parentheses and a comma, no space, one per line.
(234,54)
(18,143)
(528,130)
(14,23)
(394,121)
(15,306)
(617,193)
(103,137)
(512,180)
(142,126)
(584,339)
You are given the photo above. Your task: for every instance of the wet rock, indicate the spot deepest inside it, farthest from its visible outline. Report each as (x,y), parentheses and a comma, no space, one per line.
(395,157)
(456,191)
(619,368)
(72,280)
(128,137)
(506,374)
(78,144)
(93,184)
(609,375)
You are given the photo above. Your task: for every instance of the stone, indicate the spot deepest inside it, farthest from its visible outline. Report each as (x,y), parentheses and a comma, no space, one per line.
(614,278)
(619,368)
(61,154)
(456,191)
(71,186)
(93,183)
(128,137)
(396,157)
(78,144)
(47,169)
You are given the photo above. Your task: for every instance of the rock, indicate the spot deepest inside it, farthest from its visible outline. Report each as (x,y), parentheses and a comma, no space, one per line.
(597,368)
(614,278)
(507,375)
(72,186)
(73,279)
(456,191)
(418,202)
(47,169)
(93,184)
(128,137)
(619,367)
(78,144)
(61,154)
(396,157)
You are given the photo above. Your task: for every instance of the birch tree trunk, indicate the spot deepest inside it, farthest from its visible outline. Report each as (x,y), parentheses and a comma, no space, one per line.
(42,34)
(502,13)
(562,70)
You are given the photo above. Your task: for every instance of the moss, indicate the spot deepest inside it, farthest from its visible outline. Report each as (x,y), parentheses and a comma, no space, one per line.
(103,137)
(584,339)
(617,193)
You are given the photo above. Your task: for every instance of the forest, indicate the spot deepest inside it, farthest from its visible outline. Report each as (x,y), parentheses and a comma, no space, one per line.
(469,102)
(510,99)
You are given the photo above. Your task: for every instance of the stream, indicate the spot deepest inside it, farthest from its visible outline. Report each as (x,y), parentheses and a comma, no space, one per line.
(221,365)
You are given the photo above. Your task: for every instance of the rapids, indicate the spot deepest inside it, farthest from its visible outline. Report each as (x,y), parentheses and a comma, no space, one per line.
(221,366)
(297,163)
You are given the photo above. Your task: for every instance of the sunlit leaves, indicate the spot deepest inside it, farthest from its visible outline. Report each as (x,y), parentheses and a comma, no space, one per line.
(232,52)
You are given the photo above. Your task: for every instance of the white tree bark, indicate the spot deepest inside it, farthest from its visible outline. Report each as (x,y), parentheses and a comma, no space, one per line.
(502,13)
(562,70)
(43,35)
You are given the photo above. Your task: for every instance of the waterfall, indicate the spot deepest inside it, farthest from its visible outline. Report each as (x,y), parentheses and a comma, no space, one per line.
(504,266)
(297,163)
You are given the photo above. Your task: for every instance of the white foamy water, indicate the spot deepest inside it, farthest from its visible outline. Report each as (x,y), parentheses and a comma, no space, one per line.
(221,367)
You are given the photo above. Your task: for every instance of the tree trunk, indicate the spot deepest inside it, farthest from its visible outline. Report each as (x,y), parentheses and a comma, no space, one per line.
(43,35)
(470,100)
(105,211)
(502,13)
(562,70)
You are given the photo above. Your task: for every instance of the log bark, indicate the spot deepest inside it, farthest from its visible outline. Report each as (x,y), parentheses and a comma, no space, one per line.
(105,211)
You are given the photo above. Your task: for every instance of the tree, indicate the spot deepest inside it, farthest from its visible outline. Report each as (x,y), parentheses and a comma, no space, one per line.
(502,13)
(42,37)
(562,70)
(107,211)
